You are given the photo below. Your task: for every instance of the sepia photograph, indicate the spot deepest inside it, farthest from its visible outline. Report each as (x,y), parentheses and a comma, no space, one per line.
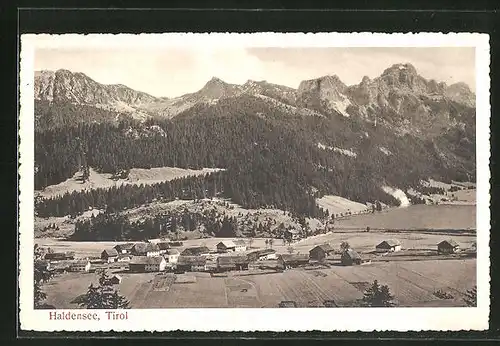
(196,176)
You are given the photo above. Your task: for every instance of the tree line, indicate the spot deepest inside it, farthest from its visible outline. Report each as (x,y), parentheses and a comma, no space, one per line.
(271,160)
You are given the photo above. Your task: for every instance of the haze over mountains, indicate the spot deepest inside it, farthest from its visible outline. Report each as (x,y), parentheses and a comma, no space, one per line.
(279,147)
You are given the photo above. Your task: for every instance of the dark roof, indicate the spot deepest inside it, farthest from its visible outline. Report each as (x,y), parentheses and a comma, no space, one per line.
(389,242)
(325,247)
(164,246)
(195,251)
(110,252)
(351,254)
(295,257)
(262,252)
(191,260)
(239,242)
(449,242)
(226,243)
(228,260)
(145,260)
(172,252)
(144,247)
(126,246)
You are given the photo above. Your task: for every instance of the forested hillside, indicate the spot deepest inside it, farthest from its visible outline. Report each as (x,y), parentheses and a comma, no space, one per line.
(271,158)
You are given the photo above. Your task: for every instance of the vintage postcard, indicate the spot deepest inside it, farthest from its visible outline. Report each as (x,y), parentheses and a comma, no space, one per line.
(207,182)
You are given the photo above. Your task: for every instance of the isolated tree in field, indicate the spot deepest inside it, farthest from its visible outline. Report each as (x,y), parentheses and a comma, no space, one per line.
(267,243)
(290,250)
(271,241)
(378,296)
(344,246)
(104,296)
(471,297)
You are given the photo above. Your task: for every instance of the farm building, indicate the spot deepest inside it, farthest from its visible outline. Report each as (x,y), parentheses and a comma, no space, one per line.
(261,255)
(227,263)
(123,258)
(448,246)
(240,245)
(80,266)
(60,266)
(191,263)
(147,264)
(163,246)
(109,255)
(176,243)
(293,260)
(321,252)
(196,251)
(350,257)
(60,256)
(226,246)
(291,234)
(171,255)
(145,249)
(42,265)
(390,245)
(124,248)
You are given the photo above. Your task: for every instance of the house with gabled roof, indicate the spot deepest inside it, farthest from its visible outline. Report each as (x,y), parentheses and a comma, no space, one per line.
(350,257)
(240,245)
(145,249)
(448,246)
(227,263)
(389,245)
(172,255)
(124,248)
(226,246)
(143,264)
(109,255)
(196,251)
(320,252)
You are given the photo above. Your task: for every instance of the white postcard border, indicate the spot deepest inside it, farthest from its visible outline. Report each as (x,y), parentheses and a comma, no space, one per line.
(226,319)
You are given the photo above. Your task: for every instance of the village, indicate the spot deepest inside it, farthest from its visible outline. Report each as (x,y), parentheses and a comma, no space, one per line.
(237,256)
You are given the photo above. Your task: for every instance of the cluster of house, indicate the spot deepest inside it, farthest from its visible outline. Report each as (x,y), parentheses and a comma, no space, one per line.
(229,255)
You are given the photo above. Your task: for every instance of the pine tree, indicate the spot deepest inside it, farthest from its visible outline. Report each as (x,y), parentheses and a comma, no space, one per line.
(378,296)
(103,296)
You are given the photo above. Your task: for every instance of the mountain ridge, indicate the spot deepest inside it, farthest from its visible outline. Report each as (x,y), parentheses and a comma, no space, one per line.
(325,94)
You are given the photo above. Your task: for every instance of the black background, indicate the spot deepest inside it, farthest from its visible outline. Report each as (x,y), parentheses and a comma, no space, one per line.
(478,16)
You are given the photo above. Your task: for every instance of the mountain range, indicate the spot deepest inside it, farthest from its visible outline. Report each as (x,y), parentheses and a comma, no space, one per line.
(399,90)
(279,147)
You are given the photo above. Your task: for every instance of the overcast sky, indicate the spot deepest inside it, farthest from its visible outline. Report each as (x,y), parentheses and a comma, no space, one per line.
(170,73)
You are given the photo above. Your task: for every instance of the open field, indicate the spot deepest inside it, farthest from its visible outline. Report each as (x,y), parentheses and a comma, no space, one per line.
(336,205)
(412,284)
(136,176)
(415,217)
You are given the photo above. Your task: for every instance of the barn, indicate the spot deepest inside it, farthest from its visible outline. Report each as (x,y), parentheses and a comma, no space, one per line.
(227,263)
(163,246)
(124,248)
(226,246)
(293,260)
(145,249)
(390,245)
(261,255)
(109,255)
(350,257)
(321,252)
(60,256)
(448,246)
(141,264)
(190,263)
(196,251)
(79,266)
